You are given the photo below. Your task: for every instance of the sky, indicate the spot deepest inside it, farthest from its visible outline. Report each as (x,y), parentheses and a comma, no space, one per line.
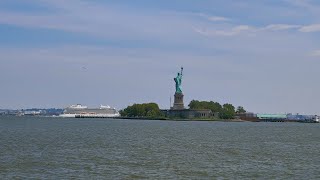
(263,55)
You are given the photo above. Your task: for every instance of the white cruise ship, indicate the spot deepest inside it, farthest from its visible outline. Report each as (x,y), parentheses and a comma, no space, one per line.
(79,111)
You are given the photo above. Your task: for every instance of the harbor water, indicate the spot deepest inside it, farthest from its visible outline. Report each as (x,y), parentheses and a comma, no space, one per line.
(62,148)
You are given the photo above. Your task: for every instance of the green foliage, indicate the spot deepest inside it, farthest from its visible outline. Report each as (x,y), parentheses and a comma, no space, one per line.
(142,110)
(227,111)
(198,105)
(240,109)
(151,110)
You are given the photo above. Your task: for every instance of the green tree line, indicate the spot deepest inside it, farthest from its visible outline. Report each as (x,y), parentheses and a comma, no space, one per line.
(142,110)
(226,111)
(152,110)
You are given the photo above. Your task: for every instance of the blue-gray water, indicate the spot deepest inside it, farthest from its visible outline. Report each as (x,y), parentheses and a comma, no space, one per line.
(55,148)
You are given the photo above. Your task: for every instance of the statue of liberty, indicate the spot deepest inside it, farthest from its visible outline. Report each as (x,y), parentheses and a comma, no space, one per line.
(178,81)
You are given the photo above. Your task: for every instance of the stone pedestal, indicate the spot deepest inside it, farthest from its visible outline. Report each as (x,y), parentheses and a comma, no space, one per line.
(178,102)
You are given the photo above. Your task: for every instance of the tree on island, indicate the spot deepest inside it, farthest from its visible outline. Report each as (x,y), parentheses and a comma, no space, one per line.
(240,109)
(198,105)
(142,110)
(227,111)
(152,110)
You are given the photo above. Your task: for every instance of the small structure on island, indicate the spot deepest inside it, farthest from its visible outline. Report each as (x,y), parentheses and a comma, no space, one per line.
(178,109)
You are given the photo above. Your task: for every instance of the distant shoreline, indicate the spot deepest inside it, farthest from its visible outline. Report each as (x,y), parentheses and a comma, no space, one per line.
(167,119)
(170,119)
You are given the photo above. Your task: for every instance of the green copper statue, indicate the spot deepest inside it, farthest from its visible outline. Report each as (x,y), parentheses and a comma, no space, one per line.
(178,81)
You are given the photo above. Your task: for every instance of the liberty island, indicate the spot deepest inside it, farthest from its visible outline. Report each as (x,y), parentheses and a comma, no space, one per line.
(178,109)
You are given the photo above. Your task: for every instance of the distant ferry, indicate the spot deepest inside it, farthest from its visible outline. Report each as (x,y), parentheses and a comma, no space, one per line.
(79,111)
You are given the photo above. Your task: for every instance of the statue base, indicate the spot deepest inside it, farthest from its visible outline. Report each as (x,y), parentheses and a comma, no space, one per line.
(178,102)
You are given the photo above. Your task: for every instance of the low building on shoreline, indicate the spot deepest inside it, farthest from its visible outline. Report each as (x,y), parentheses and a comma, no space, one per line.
(190,113)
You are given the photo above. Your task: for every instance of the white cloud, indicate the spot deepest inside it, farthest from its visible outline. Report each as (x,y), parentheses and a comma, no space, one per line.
(100,20)
(306,8)
(279,27)
(124,23)
(315,53)
(217,18)
(237,30)
(305,4)
(251,30)
(214,18)
(310,28)
(245,29)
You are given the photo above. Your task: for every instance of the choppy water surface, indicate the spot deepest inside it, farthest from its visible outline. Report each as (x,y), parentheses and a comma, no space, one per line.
(58,148)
